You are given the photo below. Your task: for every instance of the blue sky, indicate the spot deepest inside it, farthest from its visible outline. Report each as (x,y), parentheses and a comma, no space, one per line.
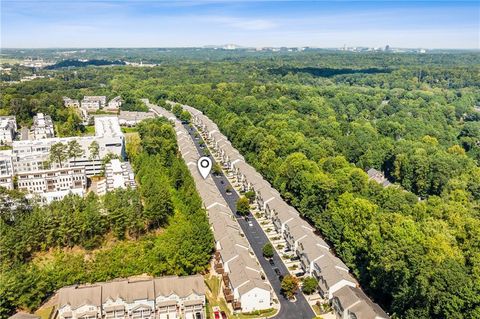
(135,23)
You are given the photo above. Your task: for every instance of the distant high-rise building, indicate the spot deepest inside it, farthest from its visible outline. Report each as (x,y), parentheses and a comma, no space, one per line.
(387,48)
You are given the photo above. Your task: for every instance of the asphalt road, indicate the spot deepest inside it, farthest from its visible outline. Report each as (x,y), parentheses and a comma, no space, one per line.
(300,309)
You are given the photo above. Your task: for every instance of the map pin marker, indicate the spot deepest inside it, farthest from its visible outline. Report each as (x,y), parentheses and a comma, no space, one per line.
(204,166)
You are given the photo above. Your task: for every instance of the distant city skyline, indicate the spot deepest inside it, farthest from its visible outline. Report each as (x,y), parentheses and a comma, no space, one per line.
(323,24)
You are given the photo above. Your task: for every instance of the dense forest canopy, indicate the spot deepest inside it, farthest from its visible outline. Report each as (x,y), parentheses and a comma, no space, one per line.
(312,122)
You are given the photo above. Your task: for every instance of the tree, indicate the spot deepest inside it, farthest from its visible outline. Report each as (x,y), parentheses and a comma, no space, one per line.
(250,195)
(74,149)
(94,150)
(58,153)
(217,170)
(268,250)
(177,110)
(185,116)
(309,285)
(243,206)
(289,286)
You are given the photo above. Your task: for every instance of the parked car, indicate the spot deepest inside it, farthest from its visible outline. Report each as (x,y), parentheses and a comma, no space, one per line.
(247,219)
(216,312)
(250,224)
(224,315)
(277,271)
(271,262)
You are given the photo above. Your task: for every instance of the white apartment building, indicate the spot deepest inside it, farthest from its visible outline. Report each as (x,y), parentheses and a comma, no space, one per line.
(8,129)
(6,169)
(53,184)
(93,103)
(42,127)
(29,156)
(117,175)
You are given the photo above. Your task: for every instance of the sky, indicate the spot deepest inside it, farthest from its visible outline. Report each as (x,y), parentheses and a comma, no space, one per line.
(189,23)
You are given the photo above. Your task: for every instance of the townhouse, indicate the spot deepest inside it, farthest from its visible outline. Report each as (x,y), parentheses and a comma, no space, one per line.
(114,104)
(68,102)
(350,302)
(378,177)
(243,283)
(314,253)
(309,249)
(129,118)
(136,298)
(93,103)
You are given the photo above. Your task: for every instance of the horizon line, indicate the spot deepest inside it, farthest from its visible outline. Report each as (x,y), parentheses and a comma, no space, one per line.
(238,47)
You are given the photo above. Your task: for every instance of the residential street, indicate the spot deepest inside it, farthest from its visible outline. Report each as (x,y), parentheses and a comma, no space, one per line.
(257,239)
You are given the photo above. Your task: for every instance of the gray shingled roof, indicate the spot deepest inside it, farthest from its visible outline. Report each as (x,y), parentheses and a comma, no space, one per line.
(355,301)
(24,315)
(77,296)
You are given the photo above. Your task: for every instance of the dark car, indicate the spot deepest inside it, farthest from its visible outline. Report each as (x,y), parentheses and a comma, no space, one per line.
(271,262)
(247,219)
(224,315)
(277,271)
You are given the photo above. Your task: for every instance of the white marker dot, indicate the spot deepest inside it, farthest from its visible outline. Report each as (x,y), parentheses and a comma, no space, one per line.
(204,166)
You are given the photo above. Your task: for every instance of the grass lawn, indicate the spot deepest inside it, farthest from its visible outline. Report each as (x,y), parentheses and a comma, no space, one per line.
(89,130)
(316,309)
(129,129)
(257,314)
(213,296)
(213,284)
(45,312)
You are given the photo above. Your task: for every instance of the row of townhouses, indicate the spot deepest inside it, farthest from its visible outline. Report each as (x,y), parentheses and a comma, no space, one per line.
(243,283)
(336,284)
(135,298)
(94,103)
(30,162)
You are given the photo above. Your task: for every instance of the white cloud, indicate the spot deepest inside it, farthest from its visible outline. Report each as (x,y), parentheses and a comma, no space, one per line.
(243,23)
